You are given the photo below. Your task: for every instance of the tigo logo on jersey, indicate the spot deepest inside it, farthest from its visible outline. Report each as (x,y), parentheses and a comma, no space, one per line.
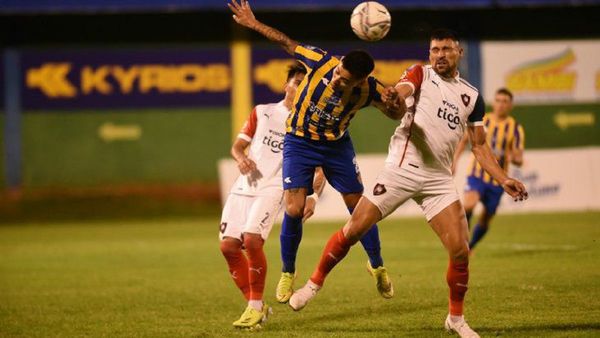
(452,117)
(274,141)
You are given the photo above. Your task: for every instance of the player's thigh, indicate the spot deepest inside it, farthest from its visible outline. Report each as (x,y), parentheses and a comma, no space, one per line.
(491,201)
(470,199)
(300,158)
(473,193)
(262,215)
(234,216)
(393,186)
(450,225)
(340,167)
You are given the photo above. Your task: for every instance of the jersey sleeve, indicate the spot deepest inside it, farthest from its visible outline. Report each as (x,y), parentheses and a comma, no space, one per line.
(249,128)
(413,77)
(309,56)
(375,91)
(519,137)
(476,116)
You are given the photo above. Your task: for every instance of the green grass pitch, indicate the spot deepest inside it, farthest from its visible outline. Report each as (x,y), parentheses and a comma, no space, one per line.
(532,276)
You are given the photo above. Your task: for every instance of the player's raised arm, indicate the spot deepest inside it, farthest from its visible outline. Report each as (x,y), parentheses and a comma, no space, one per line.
(242,14)
(485,157)
(388,101)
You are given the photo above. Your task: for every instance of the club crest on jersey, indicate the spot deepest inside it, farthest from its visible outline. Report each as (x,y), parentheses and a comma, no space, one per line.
(466,99)
(379,189)
(334,100)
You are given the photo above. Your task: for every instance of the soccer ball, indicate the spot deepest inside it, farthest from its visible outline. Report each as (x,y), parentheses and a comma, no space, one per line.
(370,21)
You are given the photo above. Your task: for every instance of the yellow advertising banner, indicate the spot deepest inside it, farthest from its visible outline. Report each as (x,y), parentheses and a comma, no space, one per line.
(539,72)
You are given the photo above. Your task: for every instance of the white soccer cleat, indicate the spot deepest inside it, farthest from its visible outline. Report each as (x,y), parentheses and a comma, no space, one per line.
(460,327)
(301,296)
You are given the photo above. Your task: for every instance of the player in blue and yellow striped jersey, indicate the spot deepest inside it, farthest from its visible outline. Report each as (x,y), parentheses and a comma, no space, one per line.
(327,99)
(506,138)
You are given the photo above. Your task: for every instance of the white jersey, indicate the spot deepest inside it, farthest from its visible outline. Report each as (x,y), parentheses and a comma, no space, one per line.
(438,112)
(264,129)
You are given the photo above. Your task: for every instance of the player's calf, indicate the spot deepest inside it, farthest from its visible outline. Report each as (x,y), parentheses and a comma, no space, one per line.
(237,262)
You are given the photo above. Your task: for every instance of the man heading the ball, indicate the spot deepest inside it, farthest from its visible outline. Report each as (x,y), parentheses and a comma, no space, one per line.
(332,92)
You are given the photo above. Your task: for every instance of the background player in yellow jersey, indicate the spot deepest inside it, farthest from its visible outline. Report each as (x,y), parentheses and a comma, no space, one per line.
(329,96)
(506,138)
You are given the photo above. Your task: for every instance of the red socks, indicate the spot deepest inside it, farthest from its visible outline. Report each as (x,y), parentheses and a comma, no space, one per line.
(336,249)
(257,267)
(458,280)
(238,265)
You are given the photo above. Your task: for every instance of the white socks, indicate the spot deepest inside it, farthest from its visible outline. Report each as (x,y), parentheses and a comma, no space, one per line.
(256,304)
(455,319)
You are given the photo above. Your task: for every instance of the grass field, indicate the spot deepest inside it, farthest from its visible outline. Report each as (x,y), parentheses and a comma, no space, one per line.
(533,276)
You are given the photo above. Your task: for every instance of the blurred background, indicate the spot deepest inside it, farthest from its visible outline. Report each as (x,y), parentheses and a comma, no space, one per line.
(123,108)
(116,119)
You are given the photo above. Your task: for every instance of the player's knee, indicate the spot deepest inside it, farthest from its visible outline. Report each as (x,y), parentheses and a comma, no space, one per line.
(295,210)
(353,232)
(230,247)
(253,241)
(459,252)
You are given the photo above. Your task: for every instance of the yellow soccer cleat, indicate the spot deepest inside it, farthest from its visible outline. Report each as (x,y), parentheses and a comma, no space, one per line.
(252,319)
(285,287)
(383,281)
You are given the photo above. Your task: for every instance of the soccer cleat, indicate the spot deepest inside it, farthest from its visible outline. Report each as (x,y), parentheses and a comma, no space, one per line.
(382,280)
(301,297)
(285,287)
(252,319)
(460,327)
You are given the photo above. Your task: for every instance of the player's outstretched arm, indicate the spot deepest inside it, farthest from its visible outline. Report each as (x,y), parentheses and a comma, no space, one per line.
(242,14)
(392,104)
(485,157)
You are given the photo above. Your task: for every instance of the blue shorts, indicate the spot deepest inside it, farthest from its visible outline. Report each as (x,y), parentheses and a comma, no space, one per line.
(489,194)
(337,158)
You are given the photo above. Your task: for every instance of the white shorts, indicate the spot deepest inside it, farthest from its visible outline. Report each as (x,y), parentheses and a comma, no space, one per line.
(251,214)
(395,185)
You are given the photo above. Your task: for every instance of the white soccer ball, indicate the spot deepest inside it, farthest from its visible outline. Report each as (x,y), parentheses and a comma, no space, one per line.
(370,21)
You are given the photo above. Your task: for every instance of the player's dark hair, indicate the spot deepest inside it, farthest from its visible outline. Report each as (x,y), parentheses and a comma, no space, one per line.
(359,63)
(295,68)
(443,34)
(505,91)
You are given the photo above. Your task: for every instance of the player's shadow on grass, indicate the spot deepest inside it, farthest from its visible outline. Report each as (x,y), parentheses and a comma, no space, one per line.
(508,331)
(324,320)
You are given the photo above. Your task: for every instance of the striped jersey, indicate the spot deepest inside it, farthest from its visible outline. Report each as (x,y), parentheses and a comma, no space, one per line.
(502,137)
(319,112)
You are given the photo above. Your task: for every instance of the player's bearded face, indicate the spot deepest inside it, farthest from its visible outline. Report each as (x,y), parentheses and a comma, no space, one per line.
(444,56)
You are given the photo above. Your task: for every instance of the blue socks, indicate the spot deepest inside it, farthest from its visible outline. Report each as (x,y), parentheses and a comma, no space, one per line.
(372,245)
(291,235)
(478,233)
